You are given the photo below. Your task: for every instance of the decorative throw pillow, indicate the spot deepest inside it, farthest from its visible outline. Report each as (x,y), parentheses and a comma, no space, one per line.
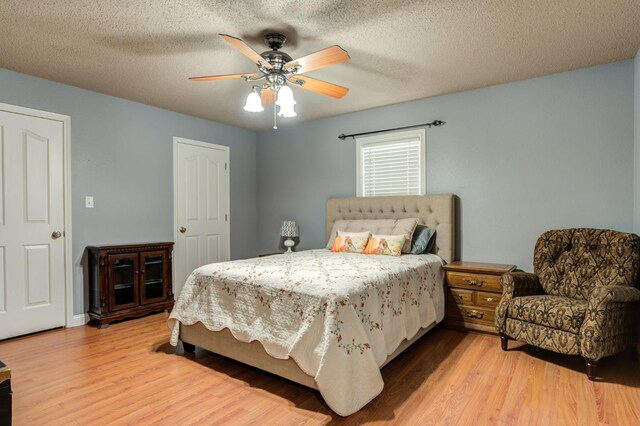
(350,242)
(423,240)
(377,226)
(390,245)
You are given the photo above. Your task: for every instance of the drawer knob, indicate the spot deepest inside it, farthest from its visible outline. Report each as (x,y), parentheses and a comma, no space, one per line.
(474,314)
(460,296)
(489,299)
(474,282)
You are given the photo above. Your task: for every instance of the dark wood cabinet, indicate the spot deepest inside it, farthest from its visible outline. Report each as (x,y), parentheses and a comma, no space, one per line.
(5,395)
(127,281)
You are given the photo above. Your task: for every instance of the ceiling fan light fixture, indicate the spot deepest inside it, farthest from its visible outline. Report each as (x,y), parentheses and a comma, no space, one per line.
(254,103)
(285,98)
(277,68)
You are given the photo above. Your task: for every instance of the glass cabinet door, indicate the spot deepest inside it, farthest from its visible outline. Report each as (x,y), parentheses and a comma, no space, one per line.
(123,280)
(153,283)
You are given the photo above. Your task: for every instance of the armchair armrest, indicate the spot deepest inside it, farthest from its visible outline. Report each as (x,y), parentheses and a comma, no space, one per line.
(514,284)
(613,293)
(517,284)
(610,324)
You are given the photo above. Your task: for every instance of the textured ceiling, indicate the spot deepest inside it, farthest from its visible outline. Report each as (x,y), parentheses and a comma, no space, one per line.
(400,50)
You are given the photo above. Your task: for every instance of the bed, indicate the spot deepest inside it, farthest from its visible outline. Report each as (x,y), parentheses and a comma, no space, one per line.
(329,321)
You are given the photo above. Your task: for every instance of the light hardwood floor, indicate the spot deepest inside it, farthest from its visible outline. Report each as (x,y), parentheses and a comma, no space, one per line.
(129,374)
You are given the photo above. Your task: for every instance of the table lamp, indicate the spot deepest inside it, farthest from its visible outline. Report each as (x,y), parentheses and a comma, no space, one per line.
(289,230)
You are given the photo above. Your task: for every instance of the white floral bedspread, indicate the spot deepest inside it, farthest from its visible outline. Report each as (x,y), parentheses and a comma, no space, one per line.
(338,315)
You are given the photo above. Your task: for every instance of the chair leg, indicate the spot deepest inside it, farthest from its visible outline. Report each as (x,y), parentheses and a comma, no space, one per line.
(592,366)
(504,340)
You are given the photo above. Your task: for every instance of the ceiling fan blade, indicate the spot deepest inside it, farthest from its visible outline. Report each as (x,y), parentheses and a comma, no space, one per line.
(246,50)
(319,86)
(267,96)
(221,77)
(320,59)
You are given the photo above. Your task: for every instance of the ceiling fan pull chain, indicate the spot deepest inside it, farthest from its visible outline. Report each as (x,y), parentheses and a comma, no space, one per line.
(275,122)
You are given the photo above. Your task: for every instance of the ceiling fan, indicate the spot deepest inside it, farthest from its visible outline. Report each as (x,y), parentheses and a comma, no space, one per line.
(279,71)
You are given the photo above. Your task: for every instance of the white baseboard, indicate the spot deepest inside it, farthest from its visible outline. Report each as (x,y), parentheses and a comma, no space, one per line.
(78,320)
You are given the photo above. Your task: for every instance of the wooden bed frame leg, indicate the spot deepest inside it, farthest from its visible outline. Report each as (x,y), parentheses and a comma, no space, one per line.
(592,366)
(188,348)
(504,340)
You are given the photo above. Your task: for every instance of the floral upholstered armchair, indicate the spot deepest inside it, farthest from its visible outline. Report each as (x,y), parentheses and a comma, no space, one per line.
(581,300)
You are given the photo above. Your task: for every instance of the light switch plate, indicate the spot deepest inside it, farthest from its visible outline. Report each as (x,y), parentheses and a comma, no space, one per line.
(88,202)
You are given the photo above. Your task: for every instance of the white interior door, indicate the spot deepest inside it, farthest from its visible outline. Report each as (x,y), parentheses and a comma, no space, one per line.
(201,197)
(32,250)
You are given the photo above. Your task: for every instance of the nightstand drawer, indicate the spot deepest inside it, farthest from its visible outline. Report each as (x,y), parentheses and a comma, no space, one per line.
(489,300)
(471,313)
(459,295)
(474,281)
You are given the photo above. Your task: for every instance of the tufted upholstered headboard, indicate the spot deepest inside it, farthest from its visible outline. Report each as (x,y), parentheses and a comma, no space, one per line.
(435,211)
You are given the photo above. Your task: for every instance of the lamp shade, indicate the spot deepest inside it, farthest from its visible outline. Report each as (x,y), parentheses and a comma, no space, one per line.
(289,229)
(285,97)
(254,103)
(287,111)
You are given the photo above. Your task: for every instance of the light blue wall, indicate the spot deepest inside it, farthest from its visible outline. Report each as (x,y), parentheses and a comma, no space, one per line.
(524,157)
(121,153)
(636,118)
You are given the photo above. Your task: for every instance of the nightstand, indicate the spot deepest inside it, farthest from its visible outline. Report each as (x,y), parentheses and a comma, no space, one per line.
(473,291)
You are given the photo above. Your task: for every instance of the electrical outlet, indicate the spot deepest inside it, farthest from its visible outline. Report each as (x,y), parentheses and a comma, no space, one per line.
(88,202)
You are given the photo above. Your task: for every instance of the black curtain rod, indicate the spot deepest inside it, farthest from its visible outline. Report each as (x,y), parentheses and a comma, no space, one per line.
(434,123)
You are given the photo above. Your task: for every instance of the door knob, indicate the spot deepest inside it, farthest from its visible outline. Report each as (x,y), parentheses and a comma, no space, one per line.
(56,234)
(182,229)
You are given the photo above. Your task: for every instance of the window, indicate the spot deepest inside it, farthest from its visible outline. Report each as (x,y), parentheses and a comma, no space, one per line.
(391,164)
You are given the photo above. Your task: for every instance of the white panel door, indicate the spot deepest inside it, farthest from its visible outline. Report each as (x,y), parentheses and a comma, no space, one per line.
(32,252)
(201,196)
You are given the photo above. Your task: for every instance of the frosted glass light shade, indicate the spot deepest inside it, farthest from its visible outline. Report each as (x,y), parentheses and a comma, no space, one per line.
(285,97)
(254,103)
(287,111)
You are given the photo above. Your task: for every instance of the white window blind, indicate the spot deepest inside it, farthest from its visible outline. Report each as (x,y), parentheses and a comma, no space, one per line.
(391,165)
